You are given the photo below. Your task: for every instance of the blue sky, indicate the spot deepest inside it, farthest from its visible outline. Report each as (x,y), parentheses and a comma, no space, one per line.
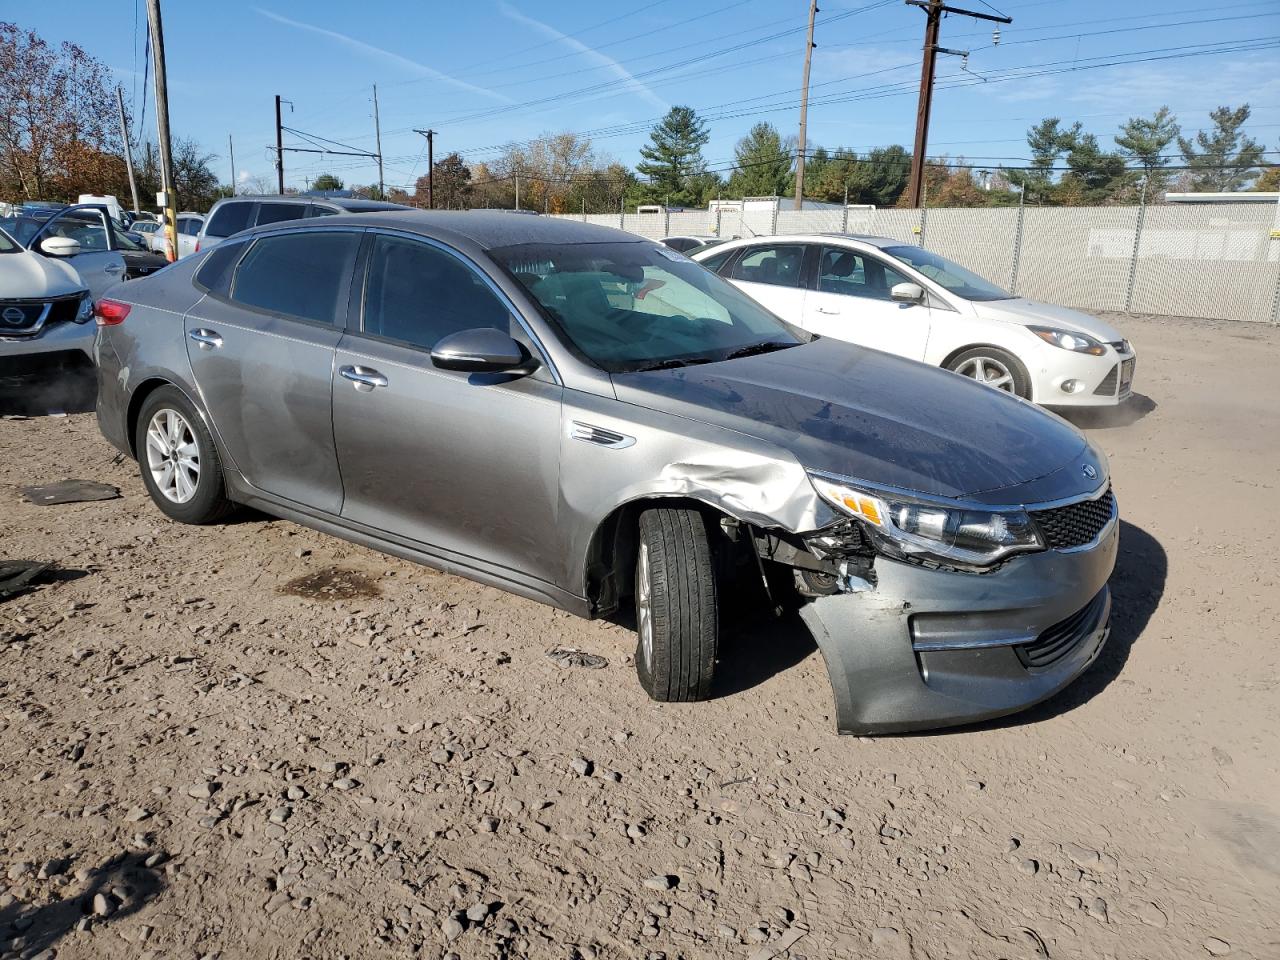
(486,72)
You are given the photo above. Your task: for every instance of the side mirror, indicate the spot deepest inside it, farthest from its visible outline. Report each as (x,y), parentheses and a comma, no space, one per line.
(480,350)
(59,246)
(907,293)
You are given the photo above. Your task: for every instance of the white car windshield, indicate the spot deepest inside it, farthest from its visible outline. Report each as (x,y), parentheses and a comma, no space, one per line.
(950,276)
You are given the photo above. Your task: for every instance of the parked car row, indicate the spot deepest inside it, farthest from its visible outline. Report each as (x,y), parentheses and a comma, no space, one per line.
(593,420)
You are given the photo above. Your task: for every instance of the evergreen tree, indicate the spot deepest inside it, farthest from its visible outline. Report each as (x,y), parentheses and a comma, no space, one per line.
(763,167)
(673,158)
(1226,158)
(881,177)
(1146,140)
(1094,175)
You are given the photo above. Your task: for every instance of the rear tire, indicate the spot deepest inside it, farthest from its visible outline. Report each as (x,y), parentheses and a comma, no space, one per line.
(179,463)
(995,367)
(677,607)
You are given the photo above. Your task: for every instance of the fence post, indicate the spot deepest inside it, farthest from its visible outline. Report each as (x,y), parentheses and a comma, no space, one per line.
(773,222)
(1275,238)
(1137,240)
(924,217)
(666,222)
(719,223)
(844,220)
(622,213)
(1017,240)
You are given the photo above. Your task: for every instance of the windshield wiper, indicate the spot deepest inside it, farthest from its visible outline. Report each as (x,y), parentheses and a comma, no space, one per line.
(764,346)
(672,363)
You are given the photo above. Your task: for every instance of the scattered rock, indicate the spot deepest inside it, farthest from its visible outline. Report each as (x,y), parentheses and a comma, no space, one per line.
(1217,947)
(203,791)
(345,783)
(581,766)
(1152,915)
(452,929)
(661,882)
(1098,909)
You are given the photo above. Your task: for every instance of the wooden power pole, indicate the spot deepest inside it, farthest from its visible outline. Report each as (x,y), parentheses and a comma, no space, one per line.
(933,9)
(279,150)
(231,149)
(168,200)
(377,133)
(804,108)
(128,150)
(431,167)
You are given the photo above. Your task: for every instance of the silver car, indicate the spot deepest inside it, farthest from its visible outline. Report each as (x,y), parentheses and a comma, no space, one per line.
(588,418)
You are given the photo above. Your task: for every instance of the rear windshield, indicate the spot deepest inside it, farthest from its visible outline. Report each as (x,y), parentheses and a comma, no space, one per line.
(637,306)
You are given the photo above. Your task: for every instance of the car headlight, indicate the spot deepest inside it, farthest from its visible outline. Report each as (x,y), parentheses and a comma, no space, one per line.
(911,528)
(84,312)
(1070,340)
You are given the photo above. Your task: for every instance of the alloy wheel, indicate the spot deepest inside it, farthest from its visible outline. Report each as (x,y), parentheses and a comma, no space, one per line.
(988,370)
(173,456)
(644,606)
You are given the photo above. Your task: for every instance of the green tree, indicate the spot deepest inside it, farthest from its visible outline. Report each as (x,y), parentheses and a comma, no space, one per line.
(1145,140)
(1225,158)
(763,167)
(827,174)
(1269,181)
(450,181)
(326,181)
(880,177)
(1093,175)
(673,159)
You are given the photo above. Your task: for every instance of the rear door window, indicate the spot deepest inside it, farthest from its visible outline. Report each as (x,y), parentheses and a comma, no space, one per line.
(302,275)
(229,218)
(779,265)
(315,210)
(278,212)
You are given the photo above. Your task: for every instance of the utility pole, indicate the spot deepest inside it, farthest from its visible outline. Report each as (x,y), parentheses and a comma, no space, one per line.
(804,108)
(431,167)
(128,150)
(934,9)
(377,132)
(279,150)
(167,198)
(231,148)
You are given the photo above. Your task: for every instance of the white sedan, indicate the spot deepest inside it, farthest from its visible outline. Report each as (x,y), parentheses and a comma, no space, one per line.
(903,299)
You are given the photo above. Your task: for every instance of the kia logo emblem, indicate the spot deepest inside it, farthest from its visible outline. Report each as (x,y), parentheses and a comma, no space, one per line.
(1089,472)
(13,316)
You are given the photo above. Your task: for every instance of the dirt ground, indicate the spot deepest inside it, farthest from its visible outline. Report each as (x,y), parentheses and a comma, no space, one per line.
(257,741)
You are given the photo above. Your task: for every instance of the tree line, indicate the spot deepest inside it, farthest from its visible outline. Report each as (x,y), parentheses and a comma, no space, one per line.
(60,138)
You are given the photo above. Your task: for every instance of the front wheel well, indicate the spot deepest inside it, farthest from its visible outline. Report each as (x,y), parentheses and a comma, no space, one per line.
(611,556)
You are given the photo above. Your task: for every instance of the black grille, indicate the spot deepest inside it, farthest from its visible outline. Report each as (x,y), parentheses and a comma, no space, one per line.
(64,309)
(1057,641)
(1107,388)
(18,317)
(1077,523)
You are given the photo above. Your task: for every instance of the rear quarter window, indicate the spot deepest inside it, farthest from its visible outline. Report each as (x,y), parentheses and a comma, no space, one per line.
(278,212)
(228,219)
(214,275)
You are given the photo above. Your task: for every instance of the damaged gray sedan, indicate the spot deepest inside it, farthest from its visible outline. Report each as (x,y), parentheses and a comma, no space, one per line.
(584,417)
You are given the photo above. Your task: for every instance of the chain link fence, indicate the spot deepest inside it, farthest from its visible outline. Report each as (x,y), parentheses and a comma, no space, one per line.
(1214,261)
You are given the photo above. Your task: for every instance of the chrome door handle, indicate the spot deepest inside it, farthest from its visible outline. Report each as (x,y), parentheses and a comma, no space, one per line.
(113,268)
(363,378)
(830,313)
(207,339)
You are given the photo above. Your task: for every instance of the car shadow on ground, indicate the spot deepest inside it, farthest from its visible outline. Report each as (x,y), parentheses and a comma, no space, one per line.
(1137,586)
(126,887)
(73,391)
(1108,418)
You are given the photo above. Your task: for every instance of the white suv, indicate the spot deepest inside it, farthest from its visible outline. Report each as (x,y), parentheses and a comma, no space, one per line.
(46,314)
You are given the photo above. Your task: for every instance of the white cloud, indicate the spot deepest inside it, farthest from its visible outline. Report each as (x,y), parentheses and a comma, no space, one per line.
(386,55)
(244,176)
(618,70)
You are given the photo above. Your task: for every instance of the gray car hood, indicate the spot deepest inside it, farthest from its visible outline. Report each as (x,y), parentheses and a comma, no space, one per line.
(847,410)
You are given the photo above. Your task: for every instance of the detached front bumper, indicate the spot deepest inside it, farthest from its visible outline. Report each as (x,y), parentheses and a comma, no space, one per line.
(931,648)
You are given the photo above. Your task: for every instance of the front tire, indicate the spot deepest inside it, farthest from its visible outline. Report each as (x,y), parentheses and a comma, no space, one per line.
(179,463)
(994,367)
(677,607)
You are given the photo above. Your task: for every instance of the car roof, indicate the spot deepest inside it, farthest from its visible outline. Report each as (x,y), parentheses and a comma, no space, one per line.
(487,228)
(868,239)
(353,204)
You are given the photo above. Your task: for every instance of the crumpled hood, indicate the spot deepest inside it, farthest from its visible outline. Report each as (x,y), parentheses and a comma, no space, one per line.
(847,410)
(1023,311)
(25,275)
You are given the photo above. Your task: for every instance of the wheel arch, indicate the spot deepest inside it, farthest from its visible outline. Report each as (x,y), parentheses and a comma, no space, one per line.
(984,345)
(609,567)
(139,398)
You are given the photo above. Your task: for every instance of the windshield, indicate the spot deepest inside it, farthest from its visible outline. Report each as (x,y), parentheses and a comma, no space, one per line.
(951,276)
(639,306)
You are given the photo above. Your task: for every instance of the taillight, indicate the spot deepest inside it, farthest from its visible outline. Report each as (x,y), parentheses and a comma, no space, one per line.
(110,312)
(197,246)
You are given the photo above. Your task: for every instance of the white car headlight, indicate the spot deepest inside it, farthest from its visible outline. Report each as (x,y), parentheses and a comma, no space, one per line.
(1070,340)
(84,312)
(916,528)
